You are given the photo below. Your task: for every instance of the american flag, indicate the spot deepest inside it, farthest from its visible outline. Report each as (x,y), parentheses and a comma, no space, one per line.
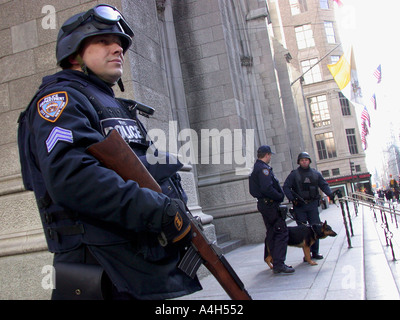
(373,100)
(339,3)
(364,133)
(378,74)
(365,116)
(365,123)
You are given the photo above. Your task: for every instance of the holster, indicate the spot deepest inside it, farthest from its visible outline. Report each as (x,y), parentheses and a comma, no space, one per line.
(78,281)
(283,210)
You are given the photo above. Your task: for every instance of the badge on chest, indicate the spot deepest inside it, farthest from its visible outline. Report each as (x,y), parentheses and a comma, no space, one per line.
(127,128)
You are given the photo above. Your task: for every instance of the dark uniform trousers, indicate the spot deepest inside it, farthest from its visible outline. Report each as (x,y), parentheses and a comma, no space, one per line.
(308,213)
(277,232)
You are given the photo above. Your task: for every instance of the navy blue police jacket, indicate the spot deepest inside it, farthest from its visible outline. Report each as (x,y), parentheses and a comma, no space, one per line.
(83,203)
(264,184)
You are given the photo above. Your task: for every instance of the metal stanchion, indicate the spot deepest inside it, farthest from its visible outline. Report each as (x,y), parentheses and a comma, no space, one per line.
(369,201)
(345,224)
(349,216)
(388,234)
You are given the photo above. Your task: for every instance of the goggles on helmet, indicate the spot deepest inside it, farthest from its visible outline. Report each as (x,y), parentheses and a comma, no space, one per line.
(102,13)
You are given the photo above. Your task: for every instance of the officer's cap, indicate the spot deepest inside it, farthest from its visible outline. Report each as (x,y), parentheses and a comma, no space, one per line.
(264,149)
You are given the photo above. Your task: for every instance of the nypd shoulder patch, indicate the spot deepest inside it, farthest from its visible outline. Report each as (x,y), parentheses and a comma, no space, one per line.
(266,172)
(51,106)
(58,134)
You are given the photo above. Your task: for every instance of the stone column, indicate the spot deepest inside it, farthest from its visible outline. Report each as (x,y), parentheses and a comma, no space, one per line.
(179,107)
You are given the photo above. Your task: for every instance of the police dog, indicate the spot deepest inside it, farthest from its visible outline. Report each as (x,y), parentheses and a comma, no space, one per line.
(304,236)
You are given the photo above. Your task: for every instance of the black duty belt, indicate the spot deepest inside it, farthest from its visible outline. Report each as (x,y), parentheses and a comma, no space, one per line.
(309,201)
(266,200)
(54,233)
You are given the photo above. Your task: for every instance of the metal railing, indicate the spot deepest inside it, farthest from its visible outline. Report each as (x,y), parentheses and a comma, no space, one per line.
(385,208)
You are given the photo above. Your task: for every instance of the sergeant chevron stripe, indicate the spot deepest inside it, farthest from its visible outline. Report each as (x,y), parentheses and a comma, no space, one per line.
(58,134)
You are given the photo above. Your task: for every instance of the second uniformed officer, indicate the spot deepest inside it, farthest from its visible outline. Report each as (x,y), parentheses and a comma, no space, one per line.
(265,187)
(301,187)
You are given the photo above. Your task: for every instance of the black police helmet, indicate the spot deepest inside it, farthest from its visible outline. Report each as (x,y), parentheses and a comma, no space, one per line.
(303,155)
(91,23)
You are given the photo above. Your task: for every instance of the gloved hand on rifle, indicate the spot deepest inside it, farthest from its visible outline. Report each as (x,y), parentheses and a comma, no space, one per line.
(338,193)
(176,224)
(296,202)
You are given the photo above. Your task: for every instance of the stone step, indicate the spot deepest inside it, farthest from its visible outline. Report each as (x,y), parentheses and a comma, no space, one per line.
(226,244)
(381,271)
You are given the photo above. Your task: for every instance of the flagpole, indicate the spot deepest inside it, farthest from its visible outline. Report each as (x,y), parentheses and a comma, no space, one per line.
(315,64)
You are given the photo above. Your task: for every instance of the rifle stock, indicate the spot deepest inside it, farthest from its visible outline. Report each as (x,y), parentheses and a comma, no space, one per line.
(114,153)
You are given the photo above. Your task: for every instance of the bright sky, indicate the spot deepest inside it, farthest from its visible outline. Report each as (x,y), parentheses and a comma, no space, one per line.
(371,27)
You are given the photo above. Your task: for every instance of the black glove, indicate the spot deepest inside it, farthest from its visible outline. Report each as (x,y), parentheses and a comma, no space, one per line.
(338,193)
(176,224)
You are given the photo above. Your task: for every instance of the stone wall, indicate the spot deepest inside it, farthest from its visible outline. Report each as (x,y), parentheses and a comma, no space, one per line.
(231,82)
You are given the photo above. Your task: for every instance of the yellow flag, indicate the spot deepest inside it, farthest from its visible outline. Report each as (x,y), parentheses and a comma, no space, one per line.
(341,72)
(345,74)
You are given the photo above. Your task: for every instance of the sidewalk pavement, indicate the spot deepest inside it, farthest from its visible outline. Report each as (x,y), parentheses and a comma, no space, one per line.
(366,270)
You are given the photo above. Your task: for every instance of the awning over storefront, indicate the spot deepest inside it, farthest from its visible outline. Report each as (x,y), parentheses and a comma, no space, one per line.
(351,178)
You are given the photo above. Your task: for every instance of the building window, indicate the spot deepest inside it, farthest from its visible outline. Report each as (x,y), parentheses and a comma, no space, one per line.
(325,145)
(358,168)
(344,104)
(334,59)
(325,173)
(324,4)
(330,32)
(304,36)
(351,141)
(298,6)
(336,172)
(320,115)
(314,75)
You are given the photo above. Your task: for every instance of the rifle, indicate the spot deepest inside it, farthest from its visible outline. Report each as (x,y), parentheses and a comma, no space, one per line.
(298,197)
(114,153)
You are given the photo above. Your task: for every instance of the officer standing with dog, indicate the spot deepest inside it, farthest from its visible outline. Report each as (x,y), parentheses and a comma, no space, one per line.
(301,188)
(264,186)
(104,231)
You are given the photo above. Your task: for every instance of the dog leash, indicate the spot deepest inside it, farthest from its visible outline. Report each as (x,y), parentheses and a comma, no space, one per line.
(304,224)
(290,215)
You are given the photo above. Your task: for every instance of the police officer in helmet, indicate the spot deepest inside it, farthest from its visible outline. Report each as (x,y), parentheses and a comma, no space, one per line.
(302,188)
(264,186)
(99,227)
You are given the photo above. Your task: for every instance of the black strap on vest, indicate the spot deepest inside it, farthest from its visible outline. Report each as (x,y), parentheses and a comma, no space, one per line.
(130,106)
(96,103)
